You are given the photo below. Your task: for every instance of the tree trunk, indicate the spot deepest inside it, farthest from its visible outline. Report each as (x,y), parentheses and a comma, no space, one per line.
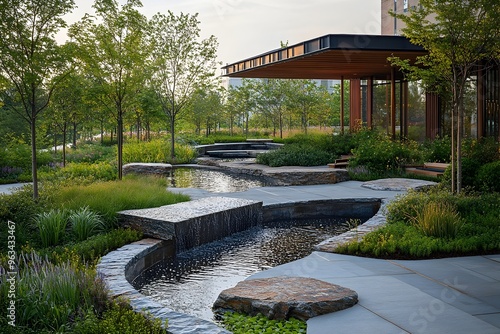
(64,144)
(33,153)
(119,136)
(172,137)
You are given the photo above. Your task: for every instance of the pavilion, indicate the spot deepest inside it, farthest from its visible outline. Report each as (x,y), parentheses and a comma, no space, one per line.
(380,97)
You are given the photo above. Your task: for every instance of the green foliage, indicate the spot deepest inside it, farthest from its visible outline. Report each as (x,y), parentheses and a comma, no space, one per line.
(93,248)
(243,324)
(48,296)
(380,154)
(85,223)
(120,319)
(488,177)
(438,219)
(90,153)
(83,172)
(157,150)
(295,155)
(15,161)
(401,238)
(437,150)
(51,226)
(107,198)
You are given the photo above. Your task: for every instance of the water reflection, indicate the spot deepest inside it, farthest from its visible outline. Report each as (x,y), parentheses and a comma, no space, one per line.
(212,180)
(191,282)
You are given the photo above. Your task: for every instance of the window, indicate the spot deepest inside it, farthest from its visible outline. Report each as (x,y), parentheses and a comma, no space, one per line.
(405,6)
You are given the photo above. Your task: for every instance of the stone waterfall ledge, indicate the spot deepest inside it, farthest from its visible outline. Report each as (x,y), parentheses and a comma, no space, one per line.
(114,268)
(194,223)
(147,168)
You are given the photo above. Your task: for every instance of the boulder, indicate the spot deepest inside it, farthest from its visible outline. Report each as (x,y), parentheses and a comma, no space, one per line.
(147,168)
(285,297)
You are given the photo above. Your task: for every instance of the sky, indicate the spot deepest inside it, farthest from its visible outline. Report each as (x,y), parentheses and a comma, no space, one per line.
(246,28)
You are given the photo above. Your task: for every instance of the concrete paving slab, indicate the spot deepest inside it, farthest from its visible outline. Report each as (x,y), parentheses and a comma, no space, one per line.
(348,321)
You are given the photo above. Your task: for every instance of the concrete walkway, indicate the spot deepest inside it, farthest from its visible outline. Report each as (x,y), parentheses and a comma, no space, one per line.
(9,188)
(454,295)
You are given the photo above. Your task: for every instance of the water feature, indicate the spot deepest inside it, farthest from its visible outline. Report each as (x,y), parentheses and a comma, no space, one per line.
(191,282)
(213,180)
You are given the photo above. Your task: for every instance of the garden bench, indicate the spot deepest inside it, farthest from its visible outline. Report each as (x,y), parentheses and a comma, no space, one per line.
(434,169)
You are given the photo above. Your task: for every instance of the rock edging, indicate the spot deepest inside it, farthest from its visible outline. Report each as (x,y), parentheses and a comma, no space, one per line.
(113,268)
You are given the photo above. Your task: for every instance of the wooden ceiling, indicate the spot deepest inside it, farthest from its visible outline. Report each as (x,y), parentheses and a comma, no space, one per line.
(331,60)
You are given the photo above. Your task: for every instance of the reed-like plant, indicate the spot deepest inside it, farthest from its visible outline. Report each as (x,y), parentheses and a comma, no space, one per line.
(51,226)
(85,223)
(50,297)
(438,219)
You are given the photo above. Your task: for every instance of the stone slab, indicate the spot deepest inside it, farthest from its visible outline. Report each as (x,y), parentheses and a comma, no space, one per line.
(147,168)
(285,297)
(398,184)
(197,222)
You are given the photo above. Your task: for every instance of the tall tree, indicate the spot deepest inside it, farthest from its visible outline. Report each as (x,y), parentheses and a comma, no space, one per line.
(30,57)
(458,35)
(113,51)
(181,63)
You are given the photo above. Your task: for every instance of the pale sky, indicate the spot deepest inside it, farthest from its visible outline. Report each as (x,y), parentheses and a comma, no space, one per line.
(246,28)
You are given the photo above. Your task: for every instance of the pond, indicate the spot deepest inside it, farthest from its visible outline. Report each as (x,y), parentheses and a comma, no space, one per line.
(213,180)
(191,282)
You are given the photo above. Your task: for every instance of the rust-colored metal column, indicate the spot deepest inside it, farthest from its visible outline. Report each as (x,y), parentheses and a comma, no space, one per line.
(393,104)
(355,104)
(369,102)
(431,115)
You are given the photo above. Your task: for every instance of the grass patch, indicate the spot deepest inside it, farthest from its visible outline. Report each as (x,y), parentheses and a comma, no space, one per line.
(107,198)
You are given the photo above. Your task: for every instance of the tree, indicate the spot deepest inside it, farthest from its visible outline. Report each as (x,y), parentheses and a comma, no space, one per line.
(112,49)
(460,35)
(180,63)
(272,100)
(30,57)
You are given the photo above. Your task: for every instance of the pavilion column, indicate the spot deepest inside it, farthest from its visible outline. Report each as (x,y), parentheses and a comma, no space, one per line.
(355,104)
(431,115)
(404,109)
(369,102)
(393,104)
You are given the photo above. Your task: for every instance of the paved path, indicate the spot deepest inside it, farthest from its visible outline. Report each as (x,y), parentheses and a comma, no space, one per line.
(9,188)
(454,295)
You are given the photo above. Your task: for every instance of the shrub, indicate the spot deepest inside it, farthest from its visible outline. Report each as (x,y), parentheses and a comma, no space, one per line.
(243,324)
(295,155)
(85,223)
(438,219)
(157,150)
(437,150)
(488,177)
(48,296)
(83,172)
(120,319)
(51,226)
(379,154)
(93,248)
(90,153)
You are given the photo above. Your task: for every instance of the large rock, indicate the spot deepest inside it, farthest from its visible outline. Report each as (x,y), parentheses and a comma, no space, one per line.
(285,297)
